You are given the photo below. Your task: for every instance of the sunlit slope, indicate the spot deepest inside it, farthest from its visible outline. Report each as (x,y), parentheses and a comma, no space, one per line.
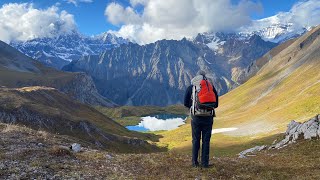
(286,88)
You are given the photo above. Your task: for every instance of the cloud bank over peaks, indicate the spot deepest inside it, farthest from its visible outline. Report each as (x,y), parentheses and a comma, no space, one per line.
(175,19)
(21,22)
(303,14)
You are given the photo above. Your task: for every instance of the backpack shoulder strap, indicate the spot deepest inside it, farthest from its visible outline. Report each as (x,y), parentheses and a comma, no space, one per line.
(204,77)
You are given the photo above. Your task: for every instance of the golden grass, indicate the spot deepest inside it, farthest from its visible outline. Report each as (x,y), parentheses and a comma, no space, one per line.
(33,88)
(286,88)
(298,161)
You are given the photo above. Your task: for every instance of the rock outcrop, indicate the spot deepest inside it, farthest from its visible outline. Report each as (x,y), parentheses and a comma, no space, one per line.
(255,149)
(296,130)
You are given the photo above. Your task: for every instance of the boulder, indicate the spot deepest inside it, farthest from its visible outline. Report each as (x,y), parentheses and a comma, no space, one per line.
(307,130)
(75,147)
(246,153)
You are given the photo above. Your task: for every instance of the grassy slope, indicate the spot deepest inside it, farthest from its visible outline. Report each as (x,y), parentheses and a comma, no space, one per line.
(13,77)
(19,70)
(221,145)
(50,103)
(286,88)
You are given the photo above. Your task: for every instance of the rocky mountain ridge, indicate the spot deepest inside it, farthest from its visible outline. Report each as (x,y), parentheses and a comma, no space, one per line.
(59,51)
(133,75)
(18,70)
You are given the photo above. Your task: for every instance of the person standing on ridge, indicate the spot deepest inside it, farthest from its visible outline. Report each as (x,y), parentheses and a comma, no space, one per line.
(201,98)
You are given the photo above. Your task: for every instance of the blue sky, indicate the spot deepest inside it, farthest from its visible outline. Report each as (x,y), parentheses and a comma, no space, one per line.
(146,21)
(91,20)
(272,7)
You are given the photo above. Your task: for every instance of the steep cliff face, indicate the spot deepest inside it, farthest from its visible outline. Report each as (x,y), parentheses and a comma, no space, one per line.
(155,74)
(83,89)
(18,70)
(159,73)
(239,51)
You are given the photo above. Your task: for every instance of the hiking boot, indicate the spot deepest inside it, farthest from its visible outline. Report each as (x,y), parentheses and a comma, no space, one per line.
(205,166)
(195,165)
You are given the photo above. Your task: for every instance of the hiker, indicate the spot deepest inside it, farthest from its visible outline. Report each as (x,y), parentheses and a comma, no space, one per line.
(201,98)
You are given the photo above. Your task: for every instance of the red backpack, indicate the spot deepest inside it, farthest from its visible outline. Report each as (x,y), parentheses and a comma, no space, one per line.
(204,99)
(206,94)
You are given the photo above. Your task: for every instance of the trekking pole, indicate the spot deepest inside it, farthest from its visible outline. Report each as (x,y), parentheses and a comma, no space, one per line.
(200,153)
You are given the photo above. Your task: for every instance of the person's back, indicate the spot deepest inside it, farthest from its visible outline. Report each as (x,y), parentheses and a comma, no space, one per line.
(202,119)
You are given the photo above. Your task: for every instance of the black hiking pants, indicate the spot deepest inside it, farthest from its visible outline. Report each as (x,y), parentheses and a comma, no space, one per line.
(201,126)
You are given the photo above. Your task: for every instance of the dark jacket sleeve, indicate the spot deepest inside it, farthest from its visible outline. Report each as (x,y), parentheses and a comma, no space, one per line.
(217,97)
(187,97)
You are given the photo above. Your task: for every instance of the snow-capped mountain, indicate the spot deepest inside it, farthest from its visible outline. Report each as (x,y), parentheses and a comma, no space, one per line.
(110,38)
(216,41)
(272,29)
(275,29)
(167,65)
(61,50)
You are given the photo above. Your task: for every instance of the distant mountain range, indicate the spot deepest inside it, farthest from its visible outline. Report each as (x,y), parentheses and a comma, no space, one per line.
(158,73)
(274,29)
(59,51)
(128,73)
(270,29)
(44,98)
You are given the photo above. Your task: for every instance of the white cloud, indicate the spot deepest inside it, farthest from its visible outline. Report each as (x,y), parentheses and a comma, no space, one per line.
(75,2)
(305,13)
(302,15)
(136,2)
(117,14)
(23,22)
(175,19)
